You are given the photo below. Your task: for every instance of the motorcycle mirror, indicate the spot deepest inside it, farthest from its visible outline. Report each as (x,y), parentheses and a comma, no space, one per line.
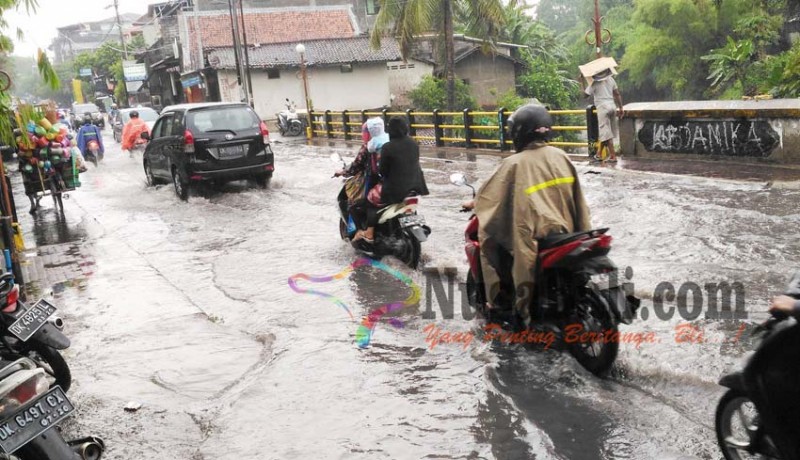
(458,179)
(287,99)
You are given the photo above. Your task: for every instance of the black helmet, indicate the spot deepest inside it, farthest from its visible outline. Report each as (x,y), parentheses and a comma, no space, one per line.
(397,127)
(134,114)
(529,123)
(87,118)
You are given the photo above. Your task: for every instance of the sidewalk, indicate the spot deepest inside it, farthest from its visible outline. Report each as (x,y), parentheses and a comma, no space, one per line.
(713,168)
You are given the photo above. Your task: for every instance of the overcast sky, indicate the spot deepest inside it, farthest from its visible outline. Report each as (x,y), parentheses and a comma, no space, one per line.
(40,27)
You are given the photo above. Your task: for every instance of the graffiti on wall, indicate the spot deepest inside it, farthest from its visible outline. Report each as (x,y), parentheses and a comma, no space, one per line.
(741,138)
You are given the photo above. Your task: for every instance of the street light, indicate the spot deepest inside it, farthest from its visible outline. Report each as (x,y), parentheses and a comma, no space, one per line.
(301,50)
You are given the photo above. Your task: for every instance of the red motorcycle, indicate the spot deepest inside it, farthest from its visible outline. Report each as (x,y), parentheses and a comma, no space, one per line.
(578,291)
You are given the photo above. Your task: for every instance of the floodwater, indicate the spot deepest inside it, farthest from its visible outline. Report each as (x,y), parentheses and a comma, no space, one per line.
(187,310)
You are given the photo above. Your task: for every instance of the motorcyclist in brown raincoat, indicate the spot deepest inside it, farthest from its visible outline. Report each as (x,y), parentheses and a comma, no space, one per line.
(533,194)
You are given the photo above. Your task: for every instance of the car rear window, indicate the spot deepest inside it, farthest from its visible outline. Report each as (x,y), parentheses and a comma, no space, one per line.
(223,119)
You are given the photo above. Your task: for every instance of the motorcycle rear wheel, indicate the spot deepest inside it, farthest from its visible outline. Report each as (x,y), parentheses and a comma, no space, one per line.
(737,426)
(411,251)
(49,359)
(295,129)
(598,353)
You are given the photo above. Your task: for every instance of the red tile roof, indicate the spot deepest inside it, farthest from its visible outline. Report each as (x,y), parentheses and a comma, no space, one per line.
(274,27)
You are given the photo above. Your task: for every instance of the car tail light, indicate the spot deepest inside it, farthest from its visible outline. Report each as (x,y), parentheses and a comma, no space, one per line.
(188,142)
(264,132)
(11,300)
(269,168)
(411,200)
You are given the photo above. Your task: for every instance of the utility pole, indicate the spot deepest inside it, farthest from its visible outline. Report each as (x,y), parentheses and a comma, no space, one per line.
(237,49)
(124,50)
(249,92)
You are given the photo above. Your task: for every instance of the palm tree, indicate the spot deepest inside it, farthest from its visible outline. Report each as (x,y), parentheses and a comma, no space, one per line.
(408,19)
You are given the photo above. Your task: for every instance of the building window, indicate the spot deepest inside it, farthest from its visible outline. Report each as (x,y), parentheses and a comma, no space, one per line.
(346,68)
(273,74)
(373,6)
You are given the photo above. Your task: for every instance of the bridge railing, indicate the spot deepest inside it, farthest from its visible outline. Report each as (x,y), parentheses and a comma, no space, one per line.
(466,128)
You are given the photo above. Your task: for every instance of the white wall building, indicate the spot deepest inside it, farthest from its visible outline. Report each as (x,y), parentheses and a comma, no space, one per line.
(344,73)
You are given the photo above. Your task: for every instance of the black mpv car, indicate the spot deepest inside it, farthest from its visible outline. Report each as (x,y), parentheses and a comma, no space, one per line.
(201,142)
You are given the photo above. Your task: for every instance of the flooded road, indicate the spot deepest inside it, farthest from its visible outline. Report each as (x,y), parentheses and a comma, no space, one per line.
(185,308)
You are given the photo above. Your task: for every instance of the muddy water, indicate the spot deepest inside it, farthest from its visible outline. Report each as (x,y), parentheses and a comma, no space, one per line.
(189,312)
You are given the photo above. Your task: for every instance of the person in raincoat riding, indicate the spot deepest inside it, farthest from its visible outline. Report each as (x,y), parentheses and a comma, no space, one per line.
(533,194)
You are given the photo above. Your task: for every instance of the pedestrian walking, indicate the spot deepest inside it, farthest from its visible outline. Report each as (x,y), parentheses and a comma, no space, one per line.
(608,102)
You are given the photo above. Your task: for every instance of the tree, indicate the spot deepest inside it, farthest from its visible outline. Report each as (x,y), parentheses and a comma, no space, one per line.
(7,47)
(408,19)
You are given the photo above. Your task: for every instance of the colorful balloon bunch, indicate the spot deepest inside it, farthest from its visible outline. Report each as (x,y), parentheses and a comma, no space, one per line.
(45,146)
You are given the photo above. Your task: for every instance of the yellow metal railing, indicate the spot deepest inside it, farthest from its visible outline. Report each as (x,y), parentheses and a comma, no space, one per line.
(467,128)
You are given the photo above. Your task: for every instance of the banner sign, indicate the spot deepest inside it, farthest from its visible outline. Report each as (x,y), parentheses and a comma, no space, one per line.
(86,72)
(190,81)
(134,71)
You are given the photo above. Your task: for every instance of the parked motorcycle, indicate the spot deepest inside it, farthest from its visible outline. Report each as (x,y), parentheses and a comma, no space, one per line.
(93,152)
(751,416)
(289,123)
(399,232)
(32,332)
(578,289)
(30,412)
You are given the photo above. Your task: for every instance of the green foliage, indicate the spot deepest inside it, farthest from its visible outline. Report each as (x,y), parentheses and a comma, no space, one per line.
(510,101)
(431,94)
(549,84)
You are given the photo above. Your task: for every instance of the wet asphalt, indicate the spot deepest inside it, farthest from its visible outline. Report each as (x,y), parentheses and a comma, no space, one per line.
(185,307)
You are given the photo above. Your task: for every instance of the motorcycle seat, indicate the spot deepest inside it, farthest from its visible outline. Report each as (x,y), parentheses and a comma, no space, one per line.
(559,239)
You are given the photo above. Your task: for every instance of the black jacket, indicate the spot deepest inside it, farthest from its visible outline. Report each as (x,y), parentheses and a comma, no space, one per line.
(400,170)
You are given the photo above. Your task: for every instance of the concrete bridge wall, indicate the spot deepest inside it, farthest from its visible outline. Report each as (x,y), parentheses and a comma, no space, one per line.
(747,130)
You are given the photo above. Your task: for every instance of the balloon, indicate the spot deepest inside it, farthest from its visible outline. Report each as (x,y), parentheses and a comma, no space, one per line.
(42,142)
(59,138)
(64,130)
(67,154)
(65,143)
(50,136)
(28,168)
(34,160)
(45,123)
(39,131)
(31,126)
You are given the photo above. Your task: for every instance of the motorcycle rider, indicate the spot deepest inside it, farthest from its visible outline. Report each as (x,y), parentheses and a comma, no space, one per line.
(89,132)
(353,189)
(113,114)
(776,377)
(400,173)
(532,194)
(132,132)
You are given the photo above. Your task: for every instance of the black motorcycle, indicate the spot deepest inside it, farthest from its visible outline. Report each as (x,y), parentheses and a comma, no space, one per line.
(759,415)
(399,232)
(30,412)
(32,332)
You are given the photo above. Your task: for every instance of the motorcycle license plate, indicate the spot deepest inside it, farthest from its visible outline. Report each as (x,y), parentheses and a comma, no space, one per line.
(32,420)
(32,320)
(231,152)
(408,221)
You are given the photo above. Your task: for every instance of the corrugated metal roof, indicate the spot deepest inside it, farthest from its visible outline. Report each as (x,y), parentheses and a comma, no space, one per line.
(318,53)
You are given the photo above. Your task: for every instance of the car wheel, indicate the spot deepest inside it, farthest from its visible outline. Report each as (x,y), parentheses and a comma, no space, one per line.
(148,173)
(181,187)
(262,180)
